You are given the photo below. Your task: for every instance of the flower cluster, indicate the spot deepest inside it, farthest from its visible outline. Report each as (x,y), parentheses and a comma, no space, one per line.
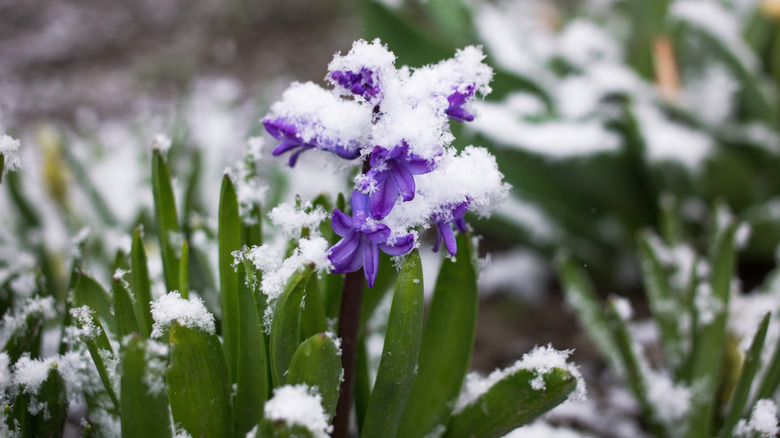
(397,121)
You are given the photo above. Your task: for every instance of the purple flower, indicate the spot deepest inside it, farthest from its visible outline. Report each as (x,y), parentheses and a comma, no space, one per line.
(444,222)
(456,101)
(362,238)
(363,83)
(390,174)
(289,134)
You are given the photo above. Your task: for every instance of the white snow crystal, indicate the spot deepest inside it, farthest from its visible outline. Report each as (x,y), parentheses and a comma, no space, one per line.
(292,219)
(9,149)
(162,143)
(16,320)
(172,308)
(763,421)
(298,404)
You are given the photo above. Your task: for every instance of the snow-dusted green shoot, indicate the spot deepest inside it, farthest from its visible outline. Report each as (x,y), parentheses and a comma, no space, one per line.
(719,373)
(253,320)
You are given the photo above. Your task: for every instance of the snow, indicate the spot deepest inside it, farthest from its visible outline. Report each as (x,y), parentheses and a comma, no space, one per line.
(291,219)
(161,143)
(298,404)
(276,272)
(86,327)
(671,402)
(714,19)
(540,429)
(666,140)
(322,116)
(172,308)
(17,320)
(156,358)
(554,139)
(520,272)
(75,369)
(762,422)
(623,308)
(9,149)
(541,360)
(471,175)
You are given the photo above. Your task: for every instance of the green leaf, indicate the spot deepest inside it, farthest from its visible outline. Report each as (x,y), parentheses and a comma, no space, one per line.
(253,230)
(281,429)
(144,409)
(123,310)
(771,379)
(140,284)
(317,363)
(89,292)
(285,325)
(312,310)
(400,352)
(52,396)
(631,363)
(757,102)
(511,403)
(749,370)
(447,341)
(229,241)
(167,220)
(184,270)
(198,385)
(581,296)
(413,45)
(252,383)
(665,309)
(708,351)
(362,383)
(97,342)
(25,338)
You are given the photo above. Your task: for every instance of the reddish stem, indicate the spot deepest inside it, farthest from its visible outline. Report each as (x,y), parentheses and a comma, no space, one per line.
(349,324)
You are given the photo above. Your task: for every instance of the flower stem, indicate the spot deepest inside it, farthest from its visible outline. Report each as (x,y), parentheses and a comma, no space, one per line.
(349,324)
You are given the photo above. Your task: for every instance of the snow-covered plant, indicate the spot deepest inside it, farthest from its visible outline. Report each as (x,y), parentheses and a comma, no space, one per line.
(711,374)
(280,347)
(600,106)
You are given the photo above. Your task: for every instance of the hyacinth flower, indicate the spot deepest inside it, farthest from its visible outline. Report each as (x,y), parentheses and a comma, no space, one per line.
(391,173)
(362,238)
(456,101)
(445,221)
(310,117)
(361,83)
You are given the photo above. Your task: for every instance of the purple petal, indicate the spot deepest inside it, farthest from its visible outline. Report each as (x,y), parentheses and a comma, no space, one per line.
(459,114)
(370,262)
(418,166)
(403,179)
(460,224)
(285,146)
(402,245)
(460,209)
(359,203)
(294,157)
(347,255)
(445,230)
(341,223)
(379,234)
(438,240)
(383,200)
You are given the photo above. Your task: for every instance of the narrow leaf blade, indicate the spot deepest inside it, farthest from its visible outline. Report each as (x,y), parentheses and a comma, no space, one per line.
(446,346)
(399,356)
(197,378)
